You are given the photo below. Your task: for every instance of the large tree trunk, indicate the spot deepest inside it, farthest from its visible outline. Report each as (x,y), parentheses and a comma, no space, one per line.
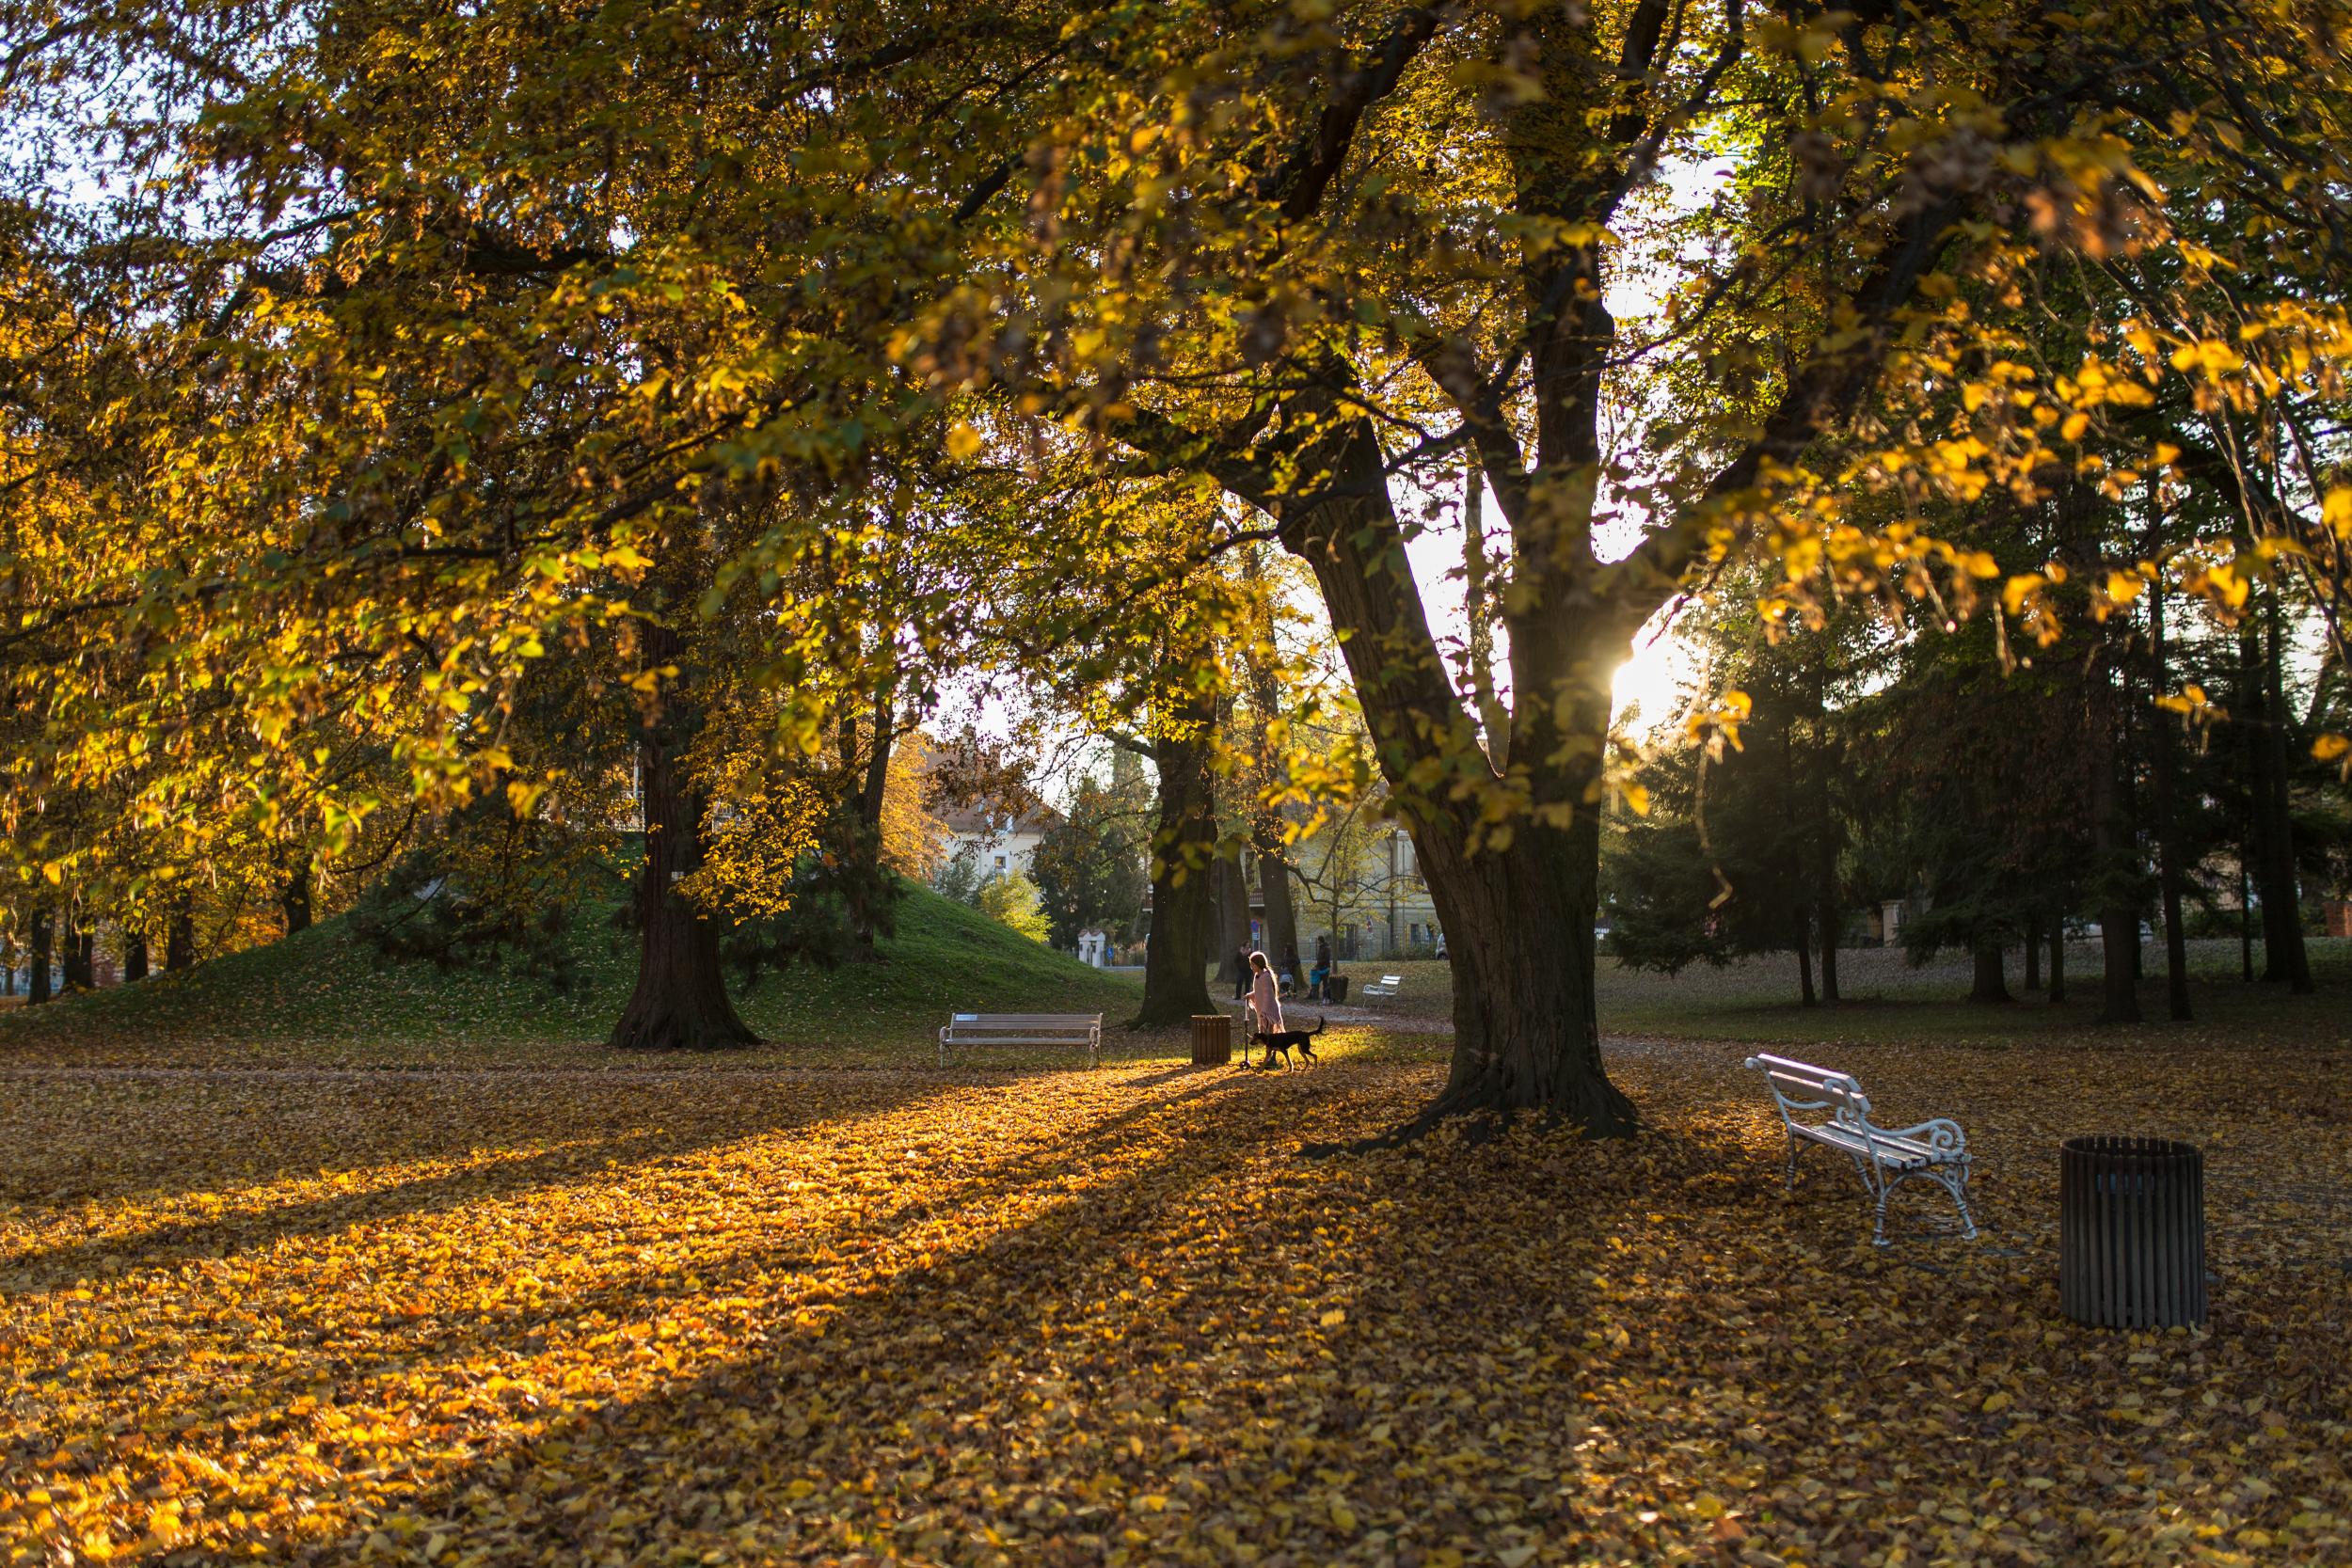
(180,937)
(2033,952)
(1989,984)
(1518,915)
(81,955)
(2167,848)
(680,1001)
(2285,961)
(1519,925)
(1176,959)
(293,896)
(133,957)
(36,977)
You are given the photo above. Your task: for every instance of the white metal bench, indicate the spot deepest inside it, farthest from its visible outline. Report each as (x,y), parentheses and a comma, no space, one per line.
(1885,1159)
(1388,985)
(1024,1029)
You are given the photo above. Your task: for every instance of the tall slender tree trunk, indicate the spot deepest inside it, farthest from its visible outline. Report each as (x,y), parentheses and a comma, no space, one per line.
(133,957)
(1176,959)
(1274,886)
(1825,837)
(2057,957)
(2119,915)
(1478,608)
(1988,983)
(2244,917)
(8,966)
(2284,958)
(1801,938)
(37,980)
(680,1000)
(2033,952)
(1266,825)
(1233,922)
(2169,872)
(179,936)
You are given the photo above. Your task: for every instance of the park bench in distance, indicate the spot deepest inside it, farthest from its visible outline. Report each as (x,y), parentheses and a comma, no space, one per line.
(1024,1029)
(1885,1159)
(1387,986)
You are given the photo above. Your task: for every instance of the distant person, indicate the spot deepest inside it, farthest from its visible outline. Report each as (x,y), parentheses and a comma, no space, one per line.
(1290,964)
(1319,977)
(1241,972)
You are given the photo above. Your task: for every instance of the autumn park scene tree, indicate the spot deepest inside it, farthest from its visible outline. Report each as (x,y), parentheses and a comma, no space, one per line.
(685,683)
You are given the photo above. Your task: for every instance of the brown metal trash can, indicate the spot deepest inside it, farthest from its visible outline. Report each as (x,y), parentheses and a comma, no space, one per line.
(1211,1039)
(2131,1232)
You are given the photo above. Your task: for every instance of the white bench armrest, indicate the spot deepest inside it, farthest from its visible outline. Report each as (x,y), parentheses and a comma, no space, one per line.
(1942,1134)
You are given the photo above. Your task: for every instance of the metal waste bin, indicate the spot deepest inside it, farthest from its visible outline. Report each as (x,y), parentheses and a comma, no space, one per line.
(1335,988)
(2131,1232)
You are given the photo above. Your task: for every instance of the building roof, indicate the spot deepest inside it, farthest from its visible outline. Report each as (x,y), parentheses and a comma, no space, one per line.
(987,817)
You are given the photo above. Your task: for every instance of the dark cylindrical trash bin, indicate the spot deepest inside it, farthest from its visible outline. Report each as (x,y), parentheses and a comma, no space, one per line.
(1211,1039)
(1335,988)
(2131,1232)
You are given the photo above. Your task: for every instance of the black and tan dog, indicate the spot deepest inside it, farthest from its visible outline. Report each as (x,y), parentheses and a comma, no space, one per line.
(1285,1041)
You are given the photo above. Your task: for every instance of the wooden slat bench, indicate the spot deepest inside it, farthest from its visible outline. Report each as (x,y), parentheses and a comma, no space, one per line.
(1387,986)
(1083,1029)
(1884,1158)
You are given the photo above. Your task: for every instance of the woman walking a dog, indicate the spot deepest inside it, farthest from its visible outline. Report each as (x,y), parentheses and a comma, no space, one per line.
(1266,995)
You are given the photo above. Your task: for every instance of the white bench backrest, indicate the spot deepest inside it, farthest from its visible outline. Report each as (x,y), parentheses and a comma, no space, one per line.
(1802,1086)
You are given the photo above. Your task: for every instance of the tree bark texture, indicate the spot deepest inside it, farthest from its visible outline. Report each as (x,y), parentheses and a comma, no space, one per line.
(1801,938)
(293,896)
(37,988)
(133,957)
(1517,916)
(180,938)
(1176,959)
(1274,885)
(2118,917)
(2033,953)
(680,1000)
(1989,982)
(2168,870)
(2057,958)
(2285,961)
(81,955)
(1231,903)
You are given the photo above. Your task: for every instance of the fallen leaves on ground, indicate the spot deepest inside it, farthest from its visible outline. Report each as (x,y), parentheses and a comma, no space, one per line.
(1111,1316)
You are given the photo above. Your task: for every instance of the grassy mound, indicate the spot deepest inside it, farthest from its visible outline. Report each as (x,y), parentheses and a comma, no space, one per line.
(328,984)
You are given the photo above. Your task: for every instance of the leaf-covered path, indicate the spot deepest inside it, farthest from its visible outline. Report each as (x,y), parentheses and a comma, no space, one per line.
(1071,1316)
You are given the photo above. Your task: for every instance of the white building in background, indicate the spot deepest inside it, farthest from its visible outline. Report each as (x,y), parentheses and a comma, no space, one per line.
(999,842)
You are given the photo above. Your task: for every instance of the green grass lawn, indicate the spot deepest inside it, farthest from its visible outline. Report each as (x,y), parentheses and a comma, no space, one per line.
(326,997)
(338,1001)
(1888,1000)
